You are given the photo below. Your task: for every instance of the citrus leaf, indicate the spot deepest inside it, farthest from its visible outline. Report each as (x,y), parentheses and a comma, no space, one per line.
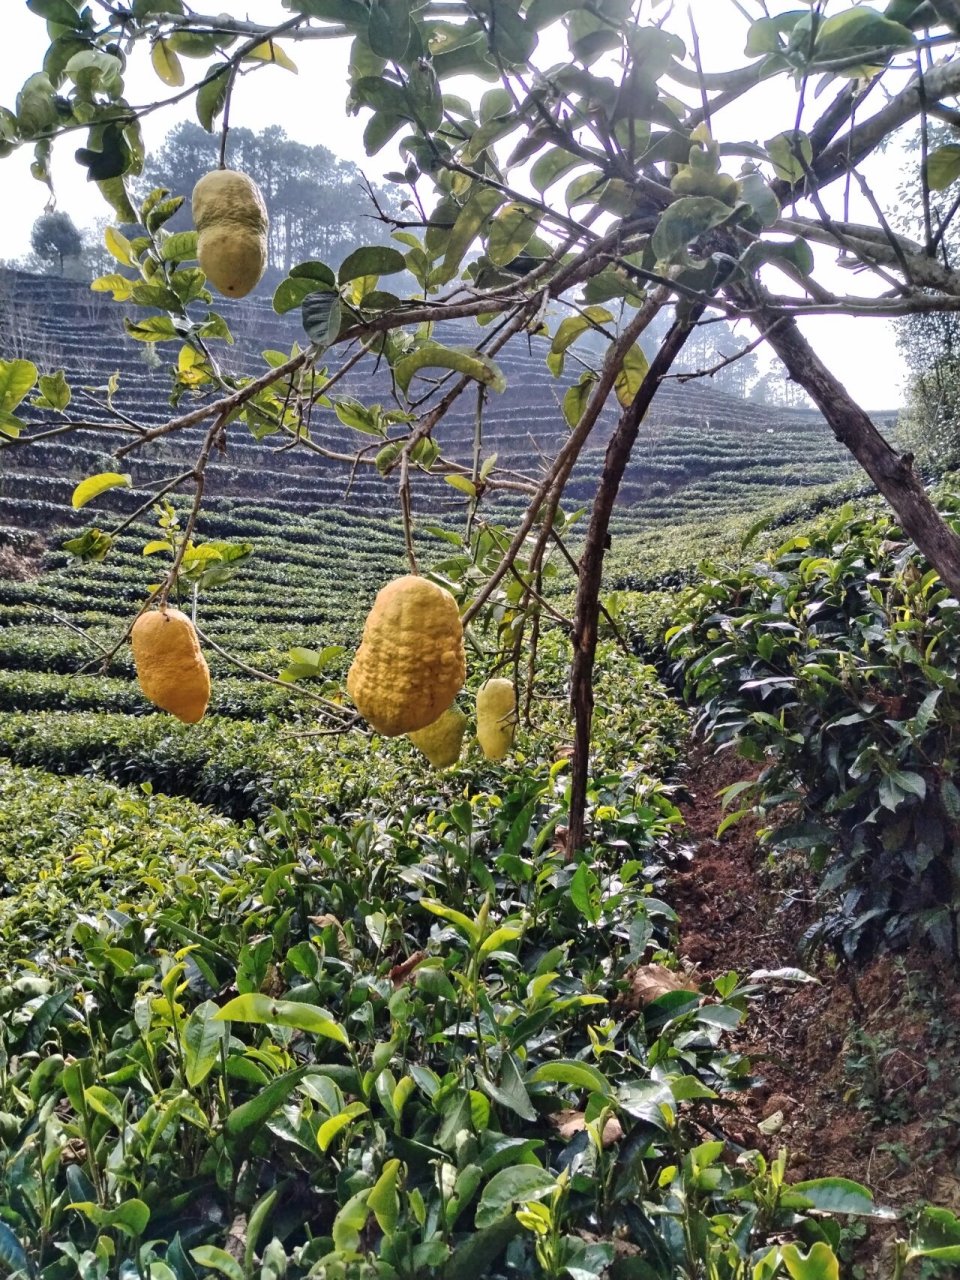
(93,486)
(271,51)
(166,64)
(432,356)
(371,260)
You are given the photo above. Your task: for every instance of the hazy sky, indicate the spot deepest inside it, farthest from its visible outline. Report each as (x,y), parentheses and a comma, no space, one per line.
(310,106)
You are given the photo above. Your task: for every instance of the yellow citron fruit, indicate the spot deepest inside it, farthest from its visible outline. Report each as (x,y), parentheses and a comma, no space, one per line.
(442,741)
(410,665)
(231,218)
(496,718)
(170,666)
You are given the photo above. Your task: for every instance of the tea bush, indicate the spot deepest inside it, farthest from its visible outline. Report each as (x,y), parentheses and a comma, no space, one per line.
(294,1044)
(70,847)
(833,663)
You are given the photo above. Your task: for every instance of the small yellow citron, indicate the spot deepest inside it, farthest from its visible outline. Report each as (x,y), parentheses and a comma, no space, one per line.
(410,665)
(496,718)
(442,741)
(170,667)
(231,218)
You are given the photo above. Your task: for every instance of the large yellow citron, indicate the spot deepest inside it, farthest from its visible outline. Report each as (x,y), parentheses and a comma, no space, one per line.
(442,741)
(496,718)
(231,218)
(170,667)
(410,665)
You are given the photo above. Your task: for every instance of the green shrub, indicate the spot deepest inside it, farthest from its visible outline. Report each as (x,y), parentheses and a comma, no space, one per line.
(241,699)
(71,846)
(834,664)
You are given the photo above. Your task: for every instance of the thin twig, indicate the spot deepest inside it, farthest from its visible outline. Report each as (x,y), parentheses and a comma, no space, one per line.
(331,707)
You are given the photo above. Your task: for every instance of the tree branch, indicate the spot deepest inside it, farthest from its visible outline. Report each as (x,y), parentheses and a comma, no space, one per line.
(585,624)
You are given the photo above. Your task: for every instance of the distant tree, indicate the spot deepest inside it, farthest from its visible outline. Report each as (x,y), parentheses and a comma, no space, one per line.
(929,424)
(929,343)
(55,238)
(319,207)
(97,258)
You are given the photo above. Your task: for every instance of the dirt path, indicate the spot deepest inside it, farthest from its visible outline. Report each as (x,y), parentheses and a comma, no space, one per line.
(866,1077)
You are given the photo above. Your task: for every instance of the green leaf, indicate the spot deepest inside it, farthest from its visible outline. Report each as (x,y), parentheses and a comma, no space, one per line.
(91,545)
(464,360)
(55,391)
(152,329)
(336,1124)
(943,166)
(214,1259)
(202,1037)
(167,65)
(212,95)
(104,1103)
(574,327)
(93,486)
(114,191)
(937,1236)
(511,1092)
(359,417)
(463,484)
(322,317)
(471,218)
(371,260)
(755,192)
(244,1120)
(254,1007)
(684,221)
(131,1217)
(17,377)
(179,247)
(12,1253)
(304,279)
(857,33)
(469,928)
(476,1254)
(839,1195)
(551,167)
(791,154)
(819,1264)
(10,426)
(350,1221)
(631,375)
(59,11)
(520,1182)
(585,893)
(510,232)
(580,1075)
(384,1200)
(576,397)
(388,30)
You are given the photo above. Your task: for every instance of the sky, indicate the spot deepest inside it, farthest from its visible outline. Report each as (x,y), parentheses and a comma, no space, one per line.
(310,107)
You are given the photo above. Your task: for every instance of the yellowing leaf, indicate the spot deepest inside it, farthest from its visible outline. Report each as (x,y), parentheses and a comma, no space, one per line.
(631,375)
(119,246)
(118,285)
(463,484)
(270,51)
(93,486)
(166,64)
(158,544)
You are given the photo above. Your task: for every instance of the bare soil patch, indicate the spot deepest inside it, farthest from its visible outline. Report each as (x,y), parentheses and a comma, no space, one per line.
(864,1067)
(20,565)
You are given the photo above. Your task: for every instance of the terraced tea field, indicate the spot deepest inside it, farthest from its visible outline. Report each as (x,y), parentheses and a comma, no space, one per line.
(324,539)
(700,447)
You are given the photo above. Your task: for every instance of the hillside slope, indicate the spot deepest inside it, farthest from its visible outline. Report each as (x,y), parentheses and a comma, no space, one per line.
(701,448)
